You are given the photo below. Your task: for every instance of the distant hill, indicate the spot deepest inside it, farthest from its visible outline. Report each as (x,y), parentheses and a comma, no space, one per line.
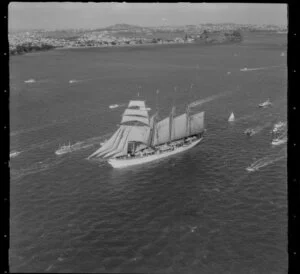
(120,27)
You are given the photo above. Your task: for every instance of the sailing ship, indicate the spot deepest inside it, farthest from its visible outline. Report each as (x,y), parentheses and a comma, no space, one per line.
(231,117)
(64,149)
(142,139)
(265,104)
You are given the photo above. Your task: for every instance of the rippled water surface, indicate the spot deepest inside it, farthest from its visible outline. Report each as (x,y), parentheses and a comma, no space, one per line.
(197,212)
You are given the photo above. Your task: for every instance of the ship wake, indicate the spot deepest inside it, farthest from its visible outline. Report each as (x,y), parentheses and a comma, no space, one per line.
(261,68)
(267,160)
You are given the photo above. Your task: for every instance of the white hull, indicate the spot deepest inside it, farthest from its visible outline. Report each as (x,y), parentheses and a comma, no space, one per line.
(121,163)
(279,142)
(14,154)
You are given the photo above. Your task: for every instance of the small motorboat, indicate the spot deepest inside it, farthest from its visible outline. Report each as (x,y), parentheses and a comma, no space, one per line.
(64,149)
(14,154)
(113,106)
(279,126)
(279,141)
(30,81)
(265,104)
(244,69)
(249,132)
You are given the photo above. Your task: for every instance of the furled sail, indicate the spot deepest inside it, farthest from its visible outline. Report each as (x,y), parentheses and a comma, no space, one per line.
(137,103)
(143,120)
(161,134)
(107,145)
(197,123)
(122,143)
(179,130)
(136,112)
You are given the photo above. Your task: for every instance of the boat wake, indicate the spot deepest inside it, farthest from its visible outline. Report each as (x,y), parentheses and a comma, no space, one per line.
(267,160)
(260,128)
(210,98)
(116,106)
(260,68)
(34,168)
(14,154)
(51,124)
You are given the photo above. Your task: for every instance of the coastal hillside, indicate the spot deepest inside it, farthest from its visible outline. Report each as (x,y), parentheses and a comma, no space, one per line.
(219,37)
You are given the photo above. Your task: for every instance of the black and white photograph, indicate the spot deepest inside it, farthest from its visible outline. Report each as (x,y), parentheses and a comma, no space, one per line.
(148,137)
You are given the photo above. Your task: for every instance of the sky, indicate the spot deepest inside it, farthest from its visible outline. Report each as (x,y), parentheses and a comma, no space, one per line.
(66,15)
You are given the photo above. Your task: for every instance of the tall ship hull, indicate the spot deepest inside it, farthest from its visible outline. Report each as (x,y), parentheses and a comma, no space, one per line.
(122,163)
(141,139)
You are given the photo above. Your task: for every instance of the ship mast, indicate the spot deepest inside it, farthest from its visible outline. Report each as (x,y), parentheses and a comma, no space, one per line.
(188,110)
(172,117)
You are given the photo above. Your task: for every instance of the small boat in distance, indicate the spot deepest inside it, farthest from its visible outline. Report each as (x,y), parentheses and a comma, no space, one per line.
(282,54)
(265,104)
(29,81)
(279,126)
(249,132)
(72,81)
(250,169)
(279,141)
(14,154)
(64,149)
(231,117)
(113,106)
(244,69)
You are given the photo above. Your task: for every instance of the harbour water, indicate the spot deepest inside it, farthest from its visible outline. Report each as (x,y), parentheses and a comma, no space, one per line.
(197,212)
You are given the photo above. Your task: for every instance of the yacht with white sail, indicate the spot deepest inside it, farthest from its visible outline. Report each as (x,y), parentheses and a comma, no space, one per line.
(231,117)
(141,139)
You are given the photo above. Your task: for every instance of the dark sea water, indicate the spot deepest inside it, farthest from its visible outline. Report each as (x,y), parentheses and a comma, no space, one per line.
(197,212)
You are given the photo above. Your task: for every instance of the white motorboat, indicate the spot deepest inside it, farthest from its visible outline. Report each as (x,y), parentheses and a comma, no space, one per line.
(265,104)
(64,149)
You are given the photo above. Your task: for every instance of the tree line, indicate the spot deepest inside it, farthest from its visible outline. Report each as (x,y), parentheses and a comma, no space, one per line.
(29,47)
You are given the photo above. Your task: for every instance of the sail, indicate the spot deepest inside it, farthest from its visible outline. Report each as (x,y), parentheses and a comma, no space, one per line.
(137,103)
(122,142)
(179,127)
(139,134)
(152,125)
(231,117)
(161,134)
(107,145)
(143,120)
(116,142)
(136,112)
(197,123)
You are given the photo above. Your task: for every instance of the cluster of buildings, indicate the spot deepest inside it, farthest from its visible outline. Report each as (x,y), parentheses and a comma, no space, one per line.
(122,35)
(88,39)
